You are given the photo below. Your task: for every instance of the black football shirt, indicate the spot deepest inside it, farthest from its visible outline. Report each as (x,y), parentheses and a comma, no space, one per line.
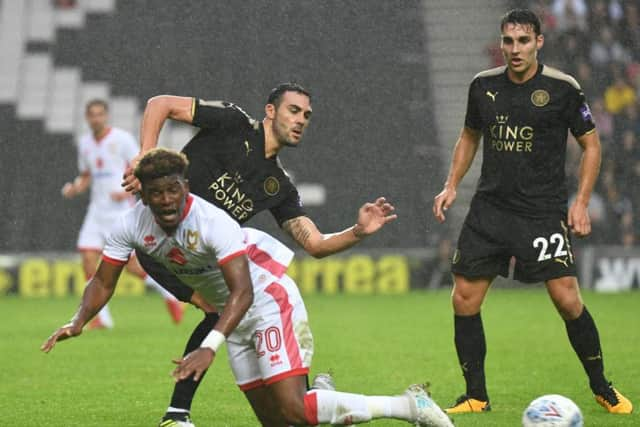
(525,129)
(227,165)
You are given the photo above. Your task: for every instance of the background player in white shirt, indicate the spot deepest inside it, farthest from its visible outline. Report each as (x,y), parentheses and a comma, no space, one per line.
(103,155)
(263,318)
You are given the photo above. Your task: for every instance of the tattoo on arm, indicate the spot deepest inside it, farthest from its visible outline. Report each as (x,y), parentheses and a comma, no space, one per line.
(297,229)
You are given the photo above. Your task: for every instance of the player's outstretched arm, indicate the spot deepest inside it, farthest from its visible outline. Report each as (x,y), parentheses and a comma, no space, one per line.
(371,218)
(578,219)
(158,110)
(463,155)
(236,275)
(96,294)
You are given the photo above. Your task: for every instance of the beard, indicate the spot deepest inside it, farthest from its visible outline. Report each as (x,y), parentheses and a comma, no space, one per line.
(281,136)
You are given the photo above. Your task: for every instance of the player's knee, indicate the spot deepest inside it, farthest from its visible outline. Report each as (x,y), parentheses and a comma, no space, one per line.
(466,303)
(568,304)
(292,411)
(293,414)
(569,308)
(566,297)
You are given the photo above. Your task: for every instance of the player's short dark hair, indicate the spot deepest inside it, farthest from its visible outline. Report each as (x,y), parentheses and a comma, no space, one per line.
(160,162)
(275,97)
(522,17)
(97,101)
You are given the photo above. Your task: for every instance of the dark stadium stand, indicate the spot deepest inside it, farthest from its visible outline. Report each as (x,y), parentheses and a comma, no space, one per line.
(370,104)
(34,164)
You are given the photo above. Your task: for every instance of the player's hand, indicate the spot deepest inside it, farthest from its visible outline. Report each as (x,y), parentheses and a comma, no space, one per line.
(129,182)
(194,363)
(373,216)
(68,190)
(578,220)
(69,330)
(442,202)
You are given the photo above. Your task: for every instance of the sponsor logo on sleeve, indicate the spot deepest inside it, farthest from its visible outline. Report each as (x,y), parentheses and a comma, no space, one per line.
(585,111)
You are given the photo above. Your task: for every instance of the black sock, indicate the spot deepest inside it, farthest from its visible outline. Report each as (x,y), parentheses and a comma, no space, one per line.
(585,340)
(472,349)
(184,390)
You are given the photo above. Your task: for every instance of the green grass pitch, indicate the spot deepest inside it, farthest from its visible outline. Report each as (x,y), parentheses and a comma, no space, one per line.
(373,345)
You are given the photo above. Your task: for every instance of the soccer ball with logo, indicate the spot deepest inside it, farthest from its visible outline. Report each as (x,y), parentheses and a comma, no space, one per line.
(552,410)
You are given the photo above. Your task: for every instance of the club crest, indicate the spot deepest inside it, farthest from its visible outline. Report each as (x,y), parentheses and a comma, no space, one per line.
(540,97)
(271,186)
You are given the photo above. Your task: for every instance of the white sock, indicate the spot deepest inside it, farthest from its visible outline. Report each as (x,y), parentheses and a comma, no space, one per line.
(148,280)
(390,407)
(178,410)
(334,407)
(105,317)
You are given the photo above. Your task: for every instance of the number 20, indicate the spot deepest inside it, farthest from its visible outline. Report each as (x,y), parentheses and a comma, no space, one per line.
(271,338)
(543,244)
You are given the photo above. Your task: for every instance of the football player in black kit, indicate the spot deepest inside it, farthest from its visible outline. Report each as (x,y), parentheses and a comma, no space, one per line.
(523,111)
(234,165)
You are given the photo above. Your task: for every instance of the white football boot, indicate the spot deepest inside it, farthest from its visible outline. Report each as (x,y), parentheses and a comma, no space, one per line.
(427,412)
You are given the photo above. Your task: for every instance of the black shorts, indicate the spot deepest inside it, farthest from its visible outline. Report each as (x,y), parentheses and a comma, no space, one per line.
(491,235)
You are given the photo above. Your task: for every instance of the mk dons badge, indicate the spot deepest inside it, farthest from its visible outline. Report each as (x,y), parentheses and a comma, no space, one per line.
(271,186)
(191,238)
(540,97)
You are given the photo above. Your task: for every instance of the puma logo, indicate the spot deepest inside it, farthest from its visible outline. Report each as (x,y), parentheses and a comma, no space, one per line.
(247,147)
(592,358)
(562,261)
(492,95)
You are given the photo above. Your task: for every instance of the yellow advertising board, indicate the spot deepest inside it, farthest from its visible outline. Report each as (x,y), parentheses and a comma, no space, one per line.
(58,275)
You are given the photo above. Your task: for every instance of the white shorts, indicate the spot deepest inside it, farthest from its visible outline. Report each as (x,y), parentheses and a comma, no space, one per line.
(274,341)
(95,229)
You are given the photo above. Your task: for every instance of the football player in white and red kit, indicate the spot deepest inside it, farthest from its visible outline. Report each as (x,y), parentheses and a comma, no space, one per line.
(103,155)
(263,318)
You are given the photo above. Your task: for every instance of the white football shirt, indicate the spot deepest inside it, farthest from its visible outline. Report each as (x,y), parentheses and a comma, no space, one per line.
(205,239)
(106,160)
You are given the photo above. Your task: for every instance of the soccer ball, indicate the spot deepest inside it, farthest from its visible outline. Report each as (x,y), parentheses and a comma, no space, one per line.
(552,410)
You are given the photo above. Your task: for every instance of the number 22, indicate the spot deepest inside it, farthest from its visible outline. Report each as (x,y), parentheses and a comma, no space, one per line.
(543,244)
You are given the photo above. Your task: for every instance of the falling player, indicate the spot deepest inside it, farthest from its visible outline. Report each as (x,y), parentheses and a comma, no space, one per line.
(263,318)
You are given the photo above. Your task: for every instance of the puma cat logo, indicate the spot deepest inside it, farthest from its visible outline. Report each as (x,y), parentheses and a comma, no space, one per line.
(562,261)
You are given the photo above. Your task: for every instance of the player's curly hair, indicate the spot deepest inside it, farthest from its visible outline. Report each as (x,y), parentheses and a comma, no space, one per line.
(275,97)
(522,17)
(160,162)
